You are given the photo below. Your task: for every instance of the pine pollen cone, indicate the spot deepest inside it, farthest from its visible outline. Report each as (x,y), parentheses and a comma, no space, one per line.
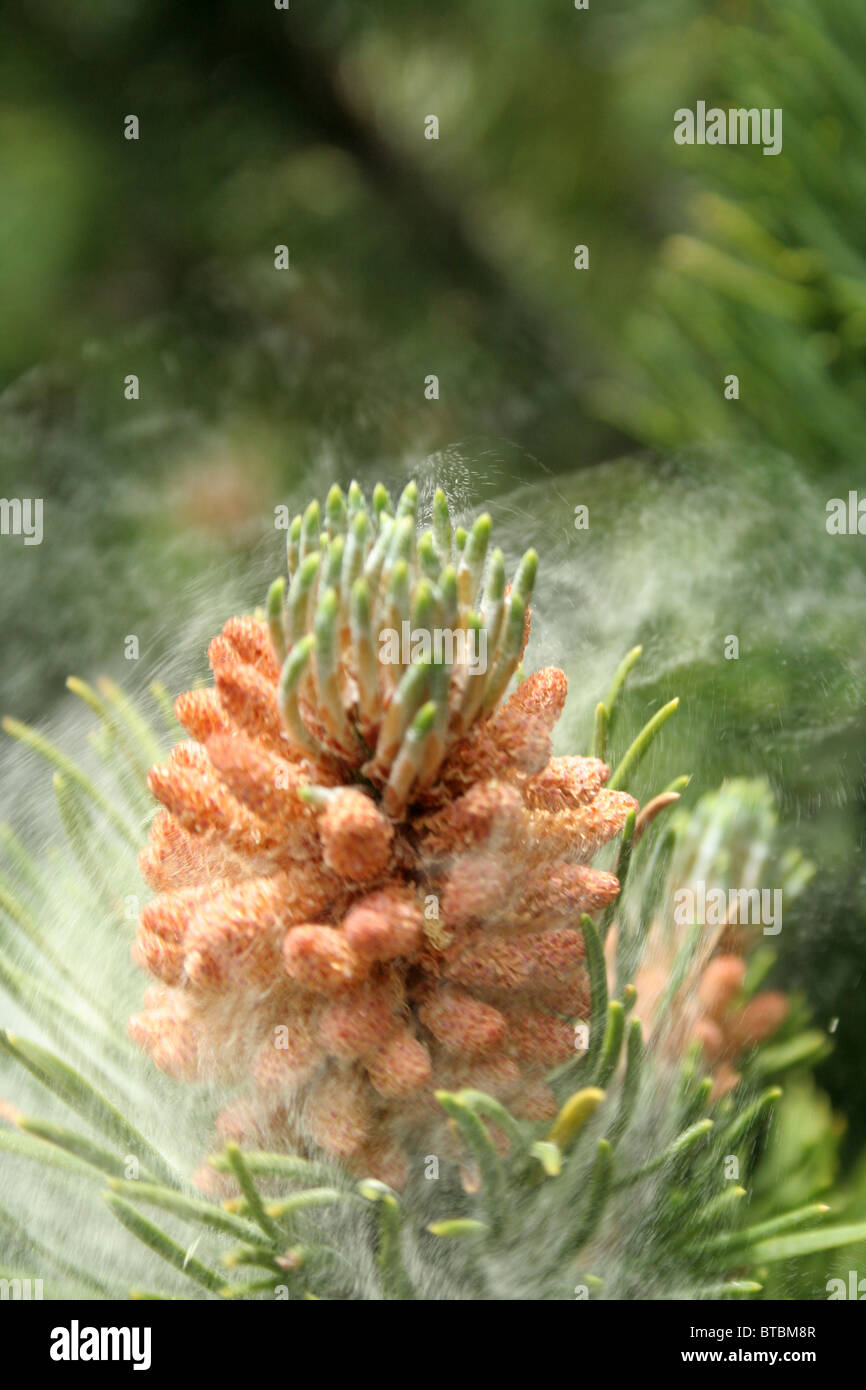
(369,878)
(709,1009)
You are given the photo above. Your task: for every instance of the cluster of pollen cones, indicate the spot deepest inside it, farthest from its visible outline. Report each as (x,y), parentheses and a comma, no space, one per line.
(710,1008)
(341,941)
